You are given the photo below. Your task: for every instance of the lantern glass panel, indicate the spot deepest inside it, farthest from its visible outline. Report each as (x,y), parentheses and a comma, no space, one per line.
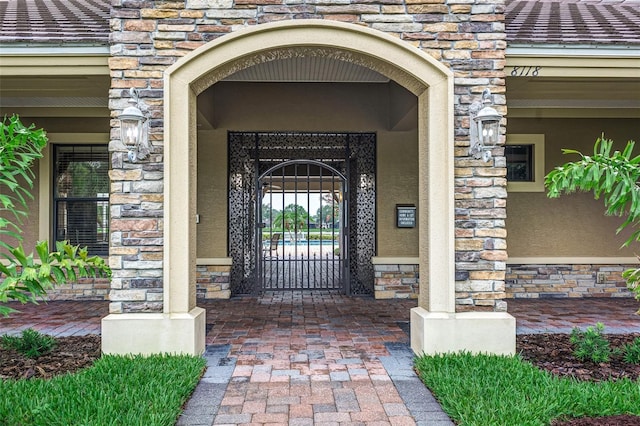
(489,131)
(131,131)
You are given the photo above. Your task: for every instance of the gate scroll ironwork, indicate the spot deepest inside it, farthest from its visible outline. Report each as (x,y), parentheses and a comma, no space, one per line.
(340,166)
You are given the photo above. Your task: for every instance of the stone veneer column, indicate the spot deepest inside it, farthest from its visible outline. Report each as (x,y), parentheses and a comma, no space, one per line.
(470,38)
(145,40)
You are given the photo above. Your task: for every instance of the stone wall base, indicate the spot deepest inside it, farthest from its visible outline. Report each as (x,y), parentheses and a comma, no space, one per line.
(152,333)
(213,281)
(401,281)
(475,332)
(83,289)
(396,281)
(577,280)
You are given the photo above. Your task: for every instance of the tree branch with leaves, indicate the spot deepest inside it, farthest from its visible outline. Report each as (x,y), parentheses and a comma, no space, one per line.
(612,175)
(25,277)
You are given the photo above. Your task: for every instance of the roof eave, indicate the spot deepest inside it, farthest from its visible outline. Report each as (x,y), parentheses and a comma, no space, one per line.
(573,50)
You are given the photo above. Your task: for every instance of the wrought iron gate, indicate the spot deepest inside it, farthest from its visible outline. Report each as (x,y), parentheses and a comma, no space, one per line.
(301,250)
(293,222)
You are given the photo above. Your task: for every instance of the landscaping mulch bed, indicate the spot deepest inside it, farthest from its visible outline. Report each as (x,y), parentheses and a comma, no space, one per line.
(625,420)
(551,352)
(70,354)
(554,353)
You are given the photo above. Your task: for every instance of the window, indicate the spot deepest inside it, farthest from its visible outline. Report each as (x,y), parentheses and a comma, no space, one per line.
(525,162)
(520,162)
(81,196)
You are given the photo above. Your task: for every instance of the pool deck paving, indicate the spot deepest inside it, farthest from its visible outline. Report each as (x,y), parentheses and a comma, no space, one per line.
(323,359)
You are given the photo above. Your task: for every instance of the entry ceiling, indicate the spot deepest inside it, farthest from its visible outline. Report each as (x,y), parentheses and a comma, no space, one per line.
(309,69)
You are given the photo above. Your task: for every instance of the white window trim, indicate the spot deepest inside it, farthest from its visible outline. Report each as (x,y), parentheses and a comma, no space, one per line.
(45,176)
(537,140)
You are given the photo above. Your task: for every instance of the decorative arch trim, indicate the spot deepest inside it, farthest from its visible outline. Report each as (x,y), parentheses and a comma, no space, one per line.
(364,46)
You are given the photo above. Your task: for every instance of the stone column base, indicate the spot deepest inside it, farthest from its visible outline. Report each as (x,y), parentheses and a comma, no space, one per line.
(475,332)
(152,333)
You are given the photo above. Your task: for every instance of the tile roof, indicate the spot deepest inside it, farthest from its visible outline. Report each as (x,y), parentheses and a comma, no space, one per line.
(602,22)
(54,21)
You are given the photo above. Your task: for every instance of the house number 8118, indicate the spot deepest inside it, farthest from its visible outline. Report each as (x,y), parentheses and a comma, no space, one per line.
(525,71)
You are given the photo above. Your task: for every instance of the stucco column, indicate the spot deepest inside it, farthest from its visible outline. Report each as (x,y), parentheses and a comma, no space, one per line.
(435,177)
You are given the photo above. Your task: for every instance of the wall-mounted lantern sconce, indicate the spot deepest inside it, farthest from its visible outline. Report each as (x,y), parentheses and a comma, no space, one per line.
(134,129)
(484,127)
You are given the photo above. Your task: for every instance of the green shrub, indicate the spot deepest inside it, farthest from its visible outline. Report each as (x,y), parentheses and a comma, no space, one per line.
(632,352)
(30,343)
(591,344)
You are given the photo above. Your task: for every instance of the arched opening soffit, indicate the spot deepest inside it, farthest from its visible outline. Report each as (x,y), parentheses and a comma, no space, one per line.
(373,49)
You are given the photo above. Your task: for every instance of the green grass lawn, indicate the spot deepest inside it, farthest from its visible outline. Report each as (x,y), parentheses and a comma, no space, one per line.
(493,390)
(116,390)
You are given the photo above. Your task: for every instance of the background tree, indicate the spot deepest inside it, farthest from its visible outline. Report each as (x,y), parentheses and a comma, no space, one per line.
(291,219)
(612,175)
(25,277)
(328,214)
(269,214)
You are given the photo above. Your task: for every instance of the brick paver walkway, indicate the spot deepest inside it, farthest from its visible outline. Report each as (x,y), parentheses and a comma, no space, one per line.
(61,318)
(324,359)
(305,360)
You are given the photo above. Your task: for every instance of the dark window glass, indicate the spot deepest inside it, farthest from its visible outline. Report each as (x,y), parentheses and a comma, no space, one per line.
(520,167)
(81,196)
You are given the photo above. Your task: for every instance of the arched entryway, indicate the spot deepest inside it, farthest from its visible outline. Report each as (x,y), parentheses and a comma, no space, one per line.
(418,73)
